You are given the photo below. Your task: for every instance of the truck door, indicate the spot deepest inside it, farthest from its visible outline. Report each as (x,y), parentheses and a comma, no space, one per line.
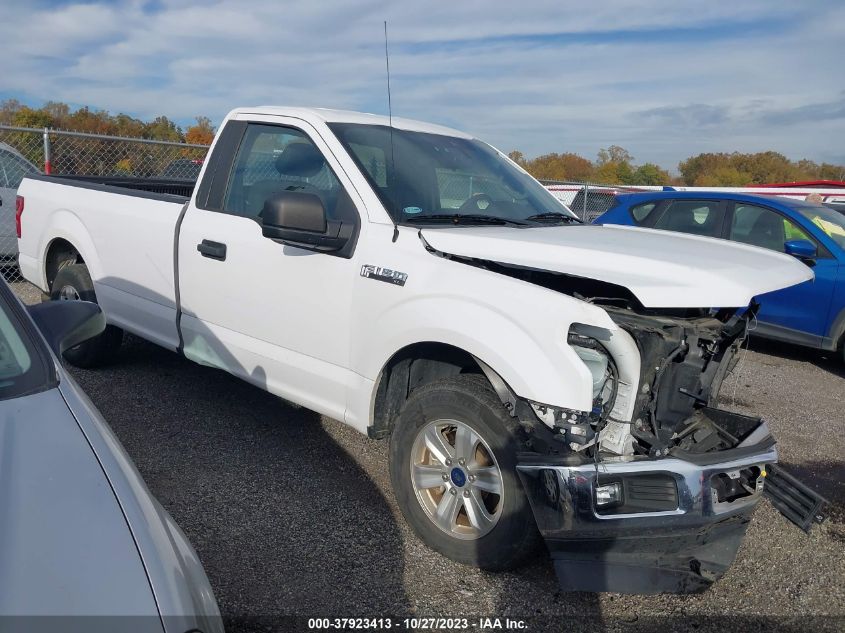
(274,314)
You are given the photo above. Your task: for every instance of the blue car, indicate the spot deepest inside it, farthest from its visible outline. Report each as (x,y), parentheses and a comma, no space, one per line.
(810,314)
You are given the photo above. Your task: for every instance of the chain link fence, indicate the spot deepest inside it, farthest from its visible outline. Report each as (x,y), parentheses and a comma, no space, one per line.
(587,200)
(28,151)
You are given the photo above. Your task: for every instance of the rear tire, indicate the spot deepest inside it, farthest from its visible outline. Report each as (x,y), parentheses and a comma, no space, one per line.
(73,283)
(453,470)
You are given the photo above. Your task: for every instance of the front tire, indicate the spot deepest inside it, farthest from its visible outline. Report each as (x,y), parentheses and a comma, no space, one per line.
(453,470)
(73,283)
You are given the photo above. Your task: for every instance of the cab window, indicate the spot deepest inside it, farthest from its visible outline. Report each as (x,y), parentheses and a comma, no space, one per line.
(272,159)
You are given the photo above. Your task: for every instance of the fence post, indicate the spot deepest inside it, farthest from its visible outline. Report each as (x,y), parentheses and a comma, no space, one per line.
(48,167)
(584,209)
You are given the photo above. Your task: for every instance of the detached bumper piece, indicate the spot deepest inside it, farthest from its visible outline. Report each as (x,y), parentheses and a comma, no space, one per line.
(792,499)
(670,525)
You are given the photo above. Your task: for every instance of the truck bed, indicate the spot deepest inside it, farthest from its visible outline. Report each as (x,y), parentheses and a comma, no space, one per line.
(124,230)
(153,188)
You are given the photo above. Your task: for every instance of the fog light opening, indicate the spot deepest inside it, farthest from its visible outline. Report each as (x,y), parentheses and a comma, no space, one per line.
(609,494)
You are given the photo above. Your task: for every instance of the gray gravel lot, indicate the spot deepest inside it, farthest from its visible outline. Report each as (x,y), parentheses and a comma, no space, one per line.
(292,513)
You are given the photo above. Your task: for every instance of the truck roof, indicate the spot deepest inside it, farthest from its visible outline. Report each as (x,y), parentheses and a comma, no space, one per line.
(325,115)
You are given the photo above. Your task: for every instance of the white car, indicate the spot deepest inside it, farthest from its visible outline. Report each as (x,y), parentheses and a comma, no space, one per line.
(84,543)
(13,168)
(410,280)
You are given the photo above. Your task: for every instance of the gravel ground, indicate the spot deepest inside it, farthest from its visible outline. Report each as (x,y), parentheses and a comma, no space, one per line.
(292,513)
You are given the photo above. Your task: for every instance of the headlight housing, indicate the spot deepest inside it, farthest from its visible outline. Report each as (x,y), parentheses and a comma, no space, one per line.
(602,369)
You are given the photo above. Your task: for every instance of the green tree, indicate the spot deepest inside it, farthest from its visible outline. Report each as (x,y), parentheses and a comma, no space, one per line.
(608,173)
(650,174)
(738,169)
(831,172)
(614,166)
(765,167)
(700,165)
(163,129)
(725,176)
(27,117)
(125,125)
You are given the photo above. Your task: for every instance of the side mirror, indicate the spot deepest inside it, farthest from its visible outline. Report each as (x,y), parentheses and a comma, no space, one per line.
(802,249)
(299,219)
(66,324)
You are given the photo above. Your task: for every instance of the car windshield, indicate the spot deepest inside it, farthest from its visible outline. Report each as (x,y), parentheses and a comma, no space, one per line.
(422,177)
(22,367)
(830,221)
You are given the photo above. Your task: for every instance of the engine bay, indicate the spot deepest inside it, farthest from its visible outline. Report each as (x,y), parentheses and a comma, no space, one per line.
(685,355)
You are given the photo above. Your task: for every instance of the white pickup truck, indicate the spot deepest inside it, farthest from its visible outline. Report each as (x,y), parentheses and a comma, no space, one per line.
(534,375)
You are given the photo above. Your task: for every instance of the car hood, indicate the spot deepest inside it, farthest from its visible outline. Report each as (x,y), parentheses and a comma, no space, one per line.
(662,269)
(65,546)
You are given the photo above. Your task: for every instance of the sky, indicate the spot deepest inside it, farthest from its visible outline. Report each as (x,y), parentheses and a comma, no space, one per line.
(664,79)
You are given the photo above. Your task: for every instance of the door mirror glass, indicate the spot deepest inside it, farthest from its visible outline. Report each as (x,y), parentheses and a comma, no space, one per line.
(802,249)
(66,324)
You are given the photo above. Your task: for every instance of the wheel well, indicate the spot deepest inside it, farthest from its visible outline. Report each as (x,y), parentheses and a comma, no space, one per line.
(411,368)
(60,253)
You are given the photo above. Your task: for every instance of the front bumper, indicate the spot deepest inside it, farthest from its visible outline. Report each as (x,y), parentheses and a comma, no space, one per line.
(675,532)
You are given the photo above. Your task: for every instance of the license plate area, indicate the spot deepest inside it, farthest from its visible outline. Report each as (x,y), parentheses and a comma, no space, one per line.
(732,485)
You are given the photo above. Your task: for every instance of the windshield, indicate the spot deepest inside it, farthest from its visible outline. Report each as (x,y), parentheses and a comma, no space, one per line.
(830,221)
(421,177)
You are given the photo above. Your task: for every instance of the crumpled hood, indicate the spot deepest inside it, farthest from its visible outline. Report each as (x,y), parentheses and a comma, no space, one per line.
(662,269)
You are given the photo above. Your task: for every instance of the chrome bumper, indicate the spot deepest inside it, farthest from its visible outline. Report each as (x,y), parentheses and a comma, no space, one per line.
(682,546)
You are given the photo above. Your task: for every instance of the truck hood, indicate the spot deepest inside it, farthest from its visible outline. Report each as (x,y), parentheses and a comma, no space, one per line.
(662,269)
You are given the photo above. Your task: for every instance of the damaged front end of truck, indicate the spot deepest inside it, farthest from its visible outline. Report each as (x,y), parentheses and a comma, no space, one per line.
(658,500)
(653,488)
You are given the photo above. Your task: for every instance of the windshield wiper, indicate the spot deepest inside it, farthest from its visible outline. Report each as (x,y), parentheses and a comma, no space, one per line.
(463,218)
(553,216)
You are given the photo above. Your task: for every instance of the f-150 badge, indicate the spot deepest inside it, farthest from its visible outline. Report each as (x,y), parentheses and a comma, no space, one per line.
(384,274)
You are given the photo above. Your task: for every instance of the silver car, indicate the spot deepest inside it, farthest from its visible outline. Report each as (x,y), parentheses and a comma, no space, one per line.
(81,537)
(13,168)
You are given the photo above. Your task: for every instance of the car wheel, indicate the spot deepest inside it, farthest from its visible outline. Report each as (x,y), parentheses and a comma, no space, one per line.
(453,469)
(73,283)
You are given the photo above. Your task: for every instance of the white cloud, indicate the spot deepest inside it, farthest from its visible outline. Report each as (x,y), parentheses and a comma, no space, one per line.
(539,76)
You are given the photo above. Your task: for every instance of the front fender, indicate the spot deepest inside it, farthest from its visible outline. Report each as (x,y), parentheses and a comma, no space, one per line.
(518,329)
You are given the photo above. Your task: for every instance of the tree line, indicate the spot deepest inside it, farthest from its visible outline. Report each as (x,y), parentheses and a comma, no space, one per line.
(60,116)
(615,166)
(101,155)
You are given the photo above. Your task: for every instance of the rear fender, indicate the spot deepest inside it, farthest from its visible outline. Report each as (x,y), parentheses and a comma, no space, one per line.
(65,224)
